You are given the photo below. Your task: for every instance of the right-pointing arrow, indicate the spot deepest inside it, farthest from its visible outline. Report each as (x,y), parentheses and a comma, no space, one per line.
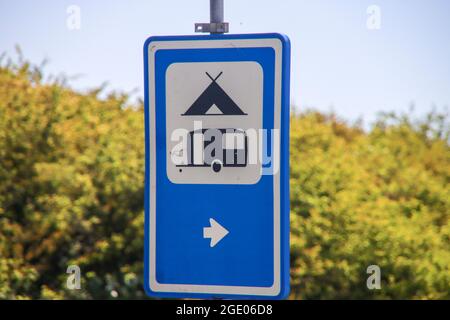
(216,232)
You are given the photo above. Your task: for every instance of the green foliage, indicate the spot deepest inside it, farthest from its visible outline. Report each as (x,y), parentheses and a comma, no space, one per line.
(359,199)
(71,189)
(72,192)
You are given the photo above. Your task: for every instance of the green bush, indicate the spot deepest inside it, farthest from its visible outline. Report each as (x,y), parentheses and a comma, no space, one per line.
(359,199)
(72,192)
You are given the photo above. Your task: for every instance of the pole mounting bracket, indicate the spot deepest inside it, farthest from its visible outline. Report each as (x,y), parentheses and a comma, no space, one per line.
(213,27)
(216,24)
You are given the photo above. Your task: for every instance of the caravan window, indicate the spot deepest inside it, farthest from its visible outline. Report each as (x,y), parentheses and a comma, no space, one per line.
(235,140)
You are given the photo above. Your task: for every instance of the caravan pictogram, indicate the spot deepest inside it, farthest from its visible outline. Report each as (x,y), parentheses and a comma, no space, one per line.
(219,147)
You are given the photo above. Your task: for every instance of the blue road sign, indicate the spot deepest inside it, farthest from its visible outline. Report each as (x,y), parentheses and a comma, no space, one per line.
(217,166)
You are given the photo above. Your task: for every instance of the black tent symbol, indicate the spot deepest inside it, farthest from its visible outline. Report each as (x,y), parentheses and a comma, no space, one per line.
(214,95)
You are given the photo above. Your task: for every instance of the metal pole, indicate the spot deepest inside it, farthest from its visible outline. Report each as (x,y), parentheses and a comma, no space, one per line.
(216,24)
(216,11)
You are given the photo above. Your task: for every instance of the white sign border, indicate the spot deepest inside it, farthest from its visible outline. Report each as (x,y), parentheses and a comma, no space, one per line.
(155,286)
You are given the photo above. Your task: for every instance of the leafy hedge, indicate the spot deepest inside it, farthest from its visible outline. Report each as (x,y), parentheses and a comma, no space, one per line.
(71,192)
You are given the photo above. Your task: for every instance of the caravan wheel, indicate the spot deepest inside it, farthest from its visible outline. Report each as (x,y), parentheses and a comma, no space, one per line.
(216,165)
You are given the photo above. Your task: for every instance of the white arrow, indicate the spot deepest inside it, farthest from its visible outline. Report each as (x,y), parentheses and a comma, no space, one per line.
(216,232)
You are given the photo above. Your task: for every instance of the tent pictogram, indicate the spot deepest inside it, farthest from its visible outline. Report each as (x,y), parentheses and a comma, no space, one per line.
(214,95)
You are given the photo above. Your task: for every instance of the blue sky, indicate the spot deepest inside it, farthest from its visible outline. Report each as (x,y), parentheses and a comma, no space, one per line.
(337,62)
